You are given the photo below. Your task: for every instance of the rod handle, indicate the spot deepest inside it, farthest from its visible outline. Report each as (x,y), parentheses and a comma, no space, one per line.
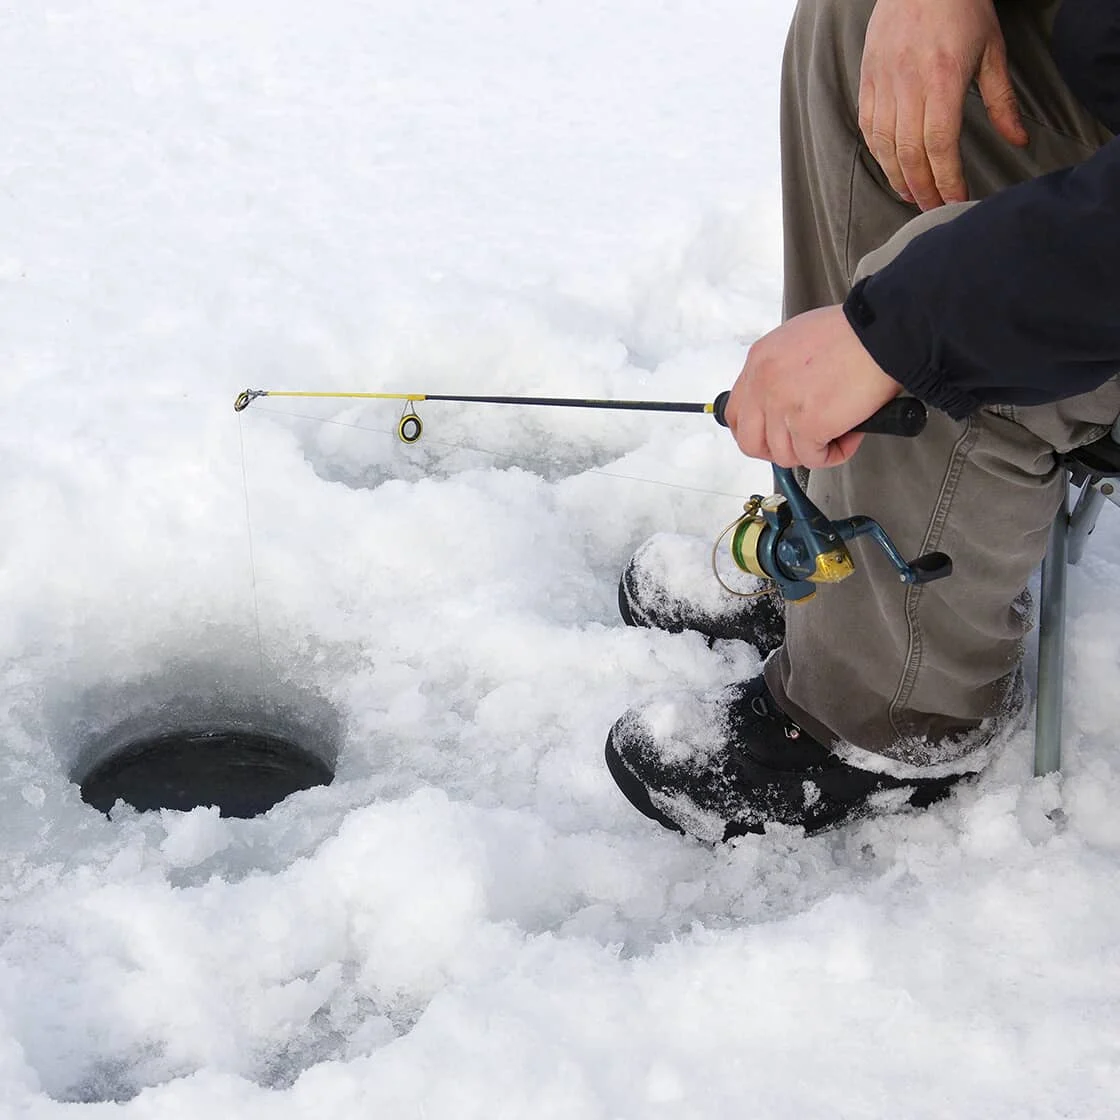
(904,416)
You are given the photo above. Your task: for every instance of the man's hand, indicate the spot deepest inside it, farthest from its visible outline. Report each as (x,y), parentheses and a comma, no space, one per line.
(919,57)
(804,387)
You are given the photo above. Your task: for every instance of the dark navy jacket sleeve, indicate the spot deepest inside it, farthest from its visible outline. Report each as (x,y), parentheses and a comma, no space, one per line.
(1085,44)
(1017,301)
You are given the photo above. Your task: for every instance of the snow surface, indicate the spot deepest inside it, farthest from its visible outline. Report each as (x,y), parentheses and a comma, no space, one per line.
(417,195)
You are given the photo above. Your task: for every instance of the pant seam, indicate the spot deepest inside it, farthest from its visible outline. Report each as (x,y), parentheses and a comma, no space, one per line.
(913,597)
(849,267)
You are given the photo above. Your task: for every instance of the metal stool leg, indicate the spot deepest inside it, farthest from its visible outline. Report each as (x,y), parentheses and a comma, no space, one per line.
(1096,470)
(1051,646)
(1086,510)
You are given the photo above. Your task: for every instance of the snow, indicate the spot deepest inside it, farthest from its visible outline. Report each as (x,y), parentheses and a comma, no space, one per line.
(504,196)
(671,570)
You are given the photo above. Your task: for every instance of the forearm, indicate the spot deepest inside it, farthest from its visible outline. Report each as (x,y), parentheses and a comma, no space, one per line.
(1015,301)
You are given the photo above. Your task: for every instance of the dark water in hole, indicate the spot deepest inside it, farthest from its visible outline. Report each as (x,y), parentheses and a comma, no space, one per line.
(241,771)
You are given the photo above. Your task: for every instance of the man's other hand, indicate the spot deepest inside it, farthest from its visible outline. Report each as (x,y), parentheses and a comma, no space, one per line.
(804,387)
(919,58)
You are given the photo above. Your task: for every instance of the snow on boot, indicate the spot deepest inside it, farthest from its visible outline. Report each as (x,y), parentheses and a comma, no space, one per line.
(725,763)
(669,585)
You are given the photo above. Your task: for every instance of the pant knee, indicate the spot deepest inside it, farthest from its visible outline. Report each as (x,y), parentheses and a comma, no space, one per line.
(883,255)
(824,48)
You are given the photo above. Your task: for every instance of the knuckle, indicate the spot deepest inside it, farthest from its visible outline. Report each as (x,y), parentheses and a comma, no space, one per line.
(943,68)
(940,142)
(940,131)
(951,185)
(911,156)
(880,140)
(907,60)
(751,443)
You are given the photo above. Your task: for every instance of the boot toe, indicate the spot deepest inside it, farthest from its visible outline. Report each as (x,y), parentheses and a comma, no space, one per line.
(725,763)
(669,585)
(671,761)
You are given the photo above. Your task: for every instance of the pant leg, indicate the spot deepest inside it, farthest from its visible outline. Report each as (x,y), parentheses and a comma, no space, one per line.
(924,675)
(920,675)
(837,203)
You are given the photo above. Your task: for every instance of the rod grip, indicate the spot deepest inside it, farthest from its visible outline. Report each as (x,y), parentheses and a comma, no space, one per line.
(904,416)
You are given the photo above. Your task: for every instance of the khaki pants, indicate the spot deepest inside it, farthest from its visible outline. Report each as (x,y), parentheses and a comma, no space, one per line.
(920,675)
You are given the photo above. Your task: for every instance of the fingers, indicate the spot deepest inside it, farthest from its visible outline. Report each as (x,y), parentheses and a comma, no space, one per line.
(779,441)
(941,130)
(840,450)
(999,97)
(913,131)
(910,150)
(787,441)
(878,121)
(756,425)
(808,450)
(750,433)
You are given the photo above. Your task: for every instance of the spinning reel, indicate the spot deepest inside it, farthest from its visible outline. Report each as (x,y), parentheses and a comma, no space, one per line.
(787,539)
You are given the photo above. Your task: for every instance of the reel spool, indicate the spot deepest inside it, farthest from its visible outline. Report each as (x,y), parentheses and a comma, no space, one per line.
(787,539)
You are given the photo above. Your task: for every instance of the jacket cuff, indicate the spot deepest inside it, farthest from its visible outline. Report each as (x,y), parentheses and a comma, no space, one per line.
(901,341)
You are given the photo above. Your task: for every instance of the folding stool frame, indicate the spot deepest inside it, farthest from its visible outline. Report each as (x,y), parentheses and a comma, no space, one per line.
(1092,469)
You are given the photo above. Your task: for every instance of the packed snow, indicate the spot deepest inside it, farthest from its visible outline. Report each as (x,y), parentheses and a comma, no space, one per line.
(505,196)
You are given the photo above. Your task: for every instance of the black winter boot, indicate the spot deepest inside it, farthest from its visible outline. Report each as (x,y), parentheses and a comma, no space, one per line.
(729,762)
(669,585)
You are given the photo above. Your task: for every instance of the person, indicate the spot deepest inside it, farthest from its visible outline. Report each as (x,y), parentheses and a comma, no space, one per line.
(951,192)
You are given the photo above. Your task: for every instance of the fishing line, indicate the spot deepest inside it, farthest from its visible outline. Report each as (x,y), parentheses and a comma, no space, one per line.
(512,456)
(252,560)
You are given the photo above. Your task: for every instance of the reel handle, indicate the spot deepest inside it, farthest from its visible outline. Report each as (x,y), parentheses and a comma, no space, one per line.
(904,416)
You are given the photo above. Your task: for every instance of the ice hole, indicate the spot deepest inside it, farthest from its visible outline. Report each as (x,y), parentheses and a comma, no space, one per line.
(198,735)
(243,771)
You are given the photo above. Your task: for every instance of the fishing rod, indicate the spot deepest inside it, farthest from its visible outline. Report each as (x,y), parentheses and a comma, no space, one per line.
(901,417)
(783,538)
